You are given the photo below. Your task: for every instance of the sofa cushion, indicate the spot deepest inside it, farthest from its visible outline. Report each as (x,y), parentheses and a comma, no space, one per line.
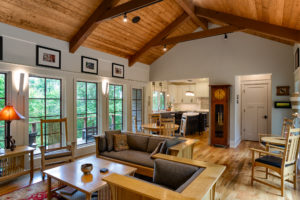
(120,142)
(57,154)
(157,149)
(137,142)
(102,144)
(190,180)
(110,139)
(172,174)
(132,156)
(153,142)
(169,143)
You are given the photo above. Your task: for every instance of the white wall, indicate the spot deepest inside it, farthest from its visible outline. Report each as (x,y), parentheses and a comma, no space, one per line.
(20,56)
(221,60)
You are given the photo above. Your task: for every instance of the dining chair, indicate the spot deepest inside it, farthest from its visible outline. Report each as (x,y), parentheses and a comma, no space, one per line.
(284,164)
(168,124)
(54,148)
(284,130)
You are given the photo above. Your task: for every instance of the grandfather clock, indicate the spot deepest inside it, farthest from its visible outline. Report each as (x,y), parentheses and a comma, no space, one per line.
(219,119)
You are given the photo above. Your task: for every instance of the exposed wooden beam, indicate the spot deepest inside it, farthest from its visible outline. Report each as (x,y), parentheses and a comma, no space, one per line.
(189,8)
(276,31)
(126,8)
(199,35)
(90,24)
(165,32)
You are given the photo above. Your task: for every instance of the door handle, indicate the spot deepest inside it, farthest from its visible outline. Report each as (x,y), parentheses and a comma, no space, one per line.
(266,117)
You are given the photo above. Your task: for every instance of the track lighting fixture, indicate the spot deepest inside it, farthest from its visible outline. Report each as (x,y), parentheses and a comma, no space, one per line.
(165,48)
(125,17)
(225,36)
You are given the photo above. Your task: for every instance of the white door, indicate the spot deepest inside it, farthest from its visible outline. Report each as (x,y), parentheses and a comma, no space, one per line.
(255,111)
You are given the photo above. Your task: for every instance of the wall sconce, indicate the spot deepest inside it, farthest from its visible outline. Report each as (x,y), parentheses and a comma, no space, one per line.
(21,83)
(105,85)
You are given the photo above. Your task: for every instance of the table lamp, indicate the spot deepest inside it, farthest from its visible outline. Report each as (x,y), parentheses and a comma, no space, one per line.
(9,113)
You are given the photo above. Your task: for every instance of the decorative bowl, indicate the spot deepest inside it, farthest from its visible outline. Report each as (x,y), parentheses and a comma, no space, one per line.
(86,168)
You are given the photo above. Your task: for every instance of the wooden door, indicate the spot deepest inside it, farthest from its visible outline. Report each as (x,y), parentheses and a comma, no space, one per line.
(254,111)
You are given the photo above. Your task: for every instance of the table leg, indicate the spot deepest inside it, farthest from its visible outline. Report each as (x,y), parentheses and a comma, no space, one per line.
(31,166)
(49,195)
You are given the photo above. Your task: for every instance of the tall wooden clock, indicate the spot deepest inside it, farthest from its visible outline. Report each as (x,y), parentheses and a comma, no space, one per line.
(219,119)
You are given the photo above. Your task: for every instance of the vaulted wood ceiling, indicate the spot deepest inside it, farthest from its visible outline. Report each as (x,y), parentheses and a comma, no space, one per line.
(62,19)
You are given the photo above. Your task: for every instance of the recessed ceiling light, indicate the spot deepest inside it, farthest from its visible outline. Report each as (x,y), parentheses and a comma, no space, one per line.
(136,19)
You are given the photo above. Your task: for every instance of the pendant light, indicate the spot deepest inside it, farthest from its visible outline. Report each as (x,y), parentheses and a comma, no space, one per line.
(165,48)
(189,93)
(125,18)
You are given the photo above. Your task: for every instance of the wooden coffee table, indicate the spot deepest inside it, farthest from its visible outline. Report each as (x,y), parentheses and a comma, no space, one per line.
(70,174)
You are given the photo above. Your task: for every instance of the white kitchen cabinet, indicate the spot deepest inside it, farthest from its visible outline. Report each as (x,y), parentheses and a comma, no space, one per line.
(202,90)
(172,91)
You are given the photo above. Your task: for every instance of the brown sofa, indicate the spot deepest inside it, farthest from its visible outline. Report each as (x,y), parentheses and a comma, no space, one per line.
(140,148)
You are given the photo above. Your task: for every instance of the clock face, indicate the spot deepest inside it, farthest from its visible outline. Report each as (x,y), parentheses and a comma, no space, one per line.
(220,94)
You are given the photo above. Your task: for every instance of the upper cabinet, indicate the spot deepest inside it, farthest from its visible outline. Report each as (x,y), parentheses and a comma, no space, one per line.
(202,90)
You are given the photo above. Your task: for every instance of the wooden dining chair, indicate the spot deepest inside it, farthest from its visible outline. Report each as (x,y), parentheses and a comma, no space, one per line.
(283,164)
(54,148)
(284,130)
(168,124)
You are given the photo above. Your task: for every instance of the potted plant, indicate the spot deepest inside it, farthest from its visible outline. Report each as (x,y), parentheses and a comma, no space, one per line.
(169,105)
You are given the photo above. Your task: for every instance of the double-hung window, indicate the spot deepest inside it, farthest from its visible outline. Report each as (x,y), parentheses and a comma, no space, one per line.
(158,101)
(87,106)
(137,109)
(2,105)
(44,103)
(115,107)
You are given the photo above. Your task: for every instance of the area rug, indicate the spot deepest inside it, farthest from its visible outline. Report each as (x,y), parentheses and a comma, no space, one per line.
(37,191)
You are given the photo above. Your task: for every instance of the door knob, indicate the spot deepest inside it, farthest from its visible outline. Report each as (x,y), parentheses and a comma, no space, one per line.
(266,117)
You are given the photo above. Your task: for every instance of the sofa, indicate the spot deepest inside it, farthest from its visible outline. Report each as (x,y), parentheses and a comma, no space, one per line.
(141,149)
(174,178)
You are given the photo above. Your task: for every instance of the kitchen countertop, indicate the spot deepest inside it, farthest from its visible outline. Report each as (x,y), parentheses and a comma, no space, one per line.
(198,111)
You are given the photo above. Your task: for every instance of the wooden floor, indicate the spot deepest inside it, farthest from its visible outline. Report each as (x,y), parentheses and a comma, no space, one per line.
(234,184)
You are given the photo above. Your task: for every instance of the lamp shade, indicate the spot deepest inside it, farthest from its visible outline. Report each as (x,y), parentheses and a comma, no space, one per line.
(9,113)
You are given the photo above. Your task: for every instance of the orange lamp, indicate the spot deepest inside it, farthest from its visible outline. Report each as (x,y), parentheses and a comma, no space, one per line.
(9,113)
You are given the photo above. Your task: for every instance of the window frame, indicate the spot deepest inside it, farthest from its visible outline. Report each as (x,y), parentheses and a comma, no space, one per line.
(158,101)
(61,105)
(5,100)
(114,99)
(97,108)
(142,107)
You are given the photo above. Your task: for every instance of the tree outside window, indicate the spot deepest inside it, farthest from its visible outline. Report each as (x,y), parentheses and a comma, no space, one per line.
(44,103)
(137,108)
(158,101)
(115,107)
(2,105)
(87,118)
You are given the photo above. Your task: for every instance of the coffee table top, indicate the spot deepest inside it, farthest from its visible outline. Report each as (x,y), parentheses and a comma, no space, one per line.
(72,175)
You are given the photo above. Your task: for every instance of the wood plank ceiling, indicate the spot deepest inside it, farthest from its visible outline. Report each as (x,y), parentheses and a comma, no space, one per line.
(62,19)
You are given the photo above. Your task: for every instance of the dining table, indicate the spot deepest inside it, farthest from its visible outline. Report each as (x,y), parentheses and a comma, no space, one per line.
(153,127)
(273,140)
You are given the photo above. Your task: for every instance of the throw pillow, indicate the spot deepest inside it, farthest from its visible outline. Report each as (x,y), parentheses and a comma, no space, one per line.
(110,139)
(120,142)
(102,144)
(157,149)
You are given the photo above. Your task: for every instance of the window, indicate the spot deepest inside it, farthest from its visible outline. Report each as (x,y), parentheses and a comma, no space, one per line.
(137,109)
(115,107)
(158,101)
(2,104)
(87,118)
(44,103)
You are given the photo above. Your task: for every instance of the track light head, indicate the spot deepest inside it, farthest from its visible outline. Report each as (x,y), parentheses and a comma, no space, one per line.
(225,36)
(165,48)
(125,18)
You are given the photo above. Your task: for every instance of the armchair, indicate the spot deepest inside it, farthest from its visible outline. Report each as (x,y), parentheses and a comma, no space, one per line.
(55,151)
(284,164)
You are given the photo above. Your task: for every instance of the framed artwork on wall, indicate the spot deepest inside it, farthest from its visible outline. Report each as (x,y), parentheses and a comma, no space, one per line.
(89,65)
(47,57)
(283,90)
(1,48)
(118,70)
(297,58)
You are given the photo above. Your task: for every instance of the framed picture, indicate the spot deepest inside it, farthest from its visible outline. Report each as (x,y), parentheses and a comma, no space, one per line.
(282,104)
(47,57)
(297,58)
(118,70)
(283,91)
(89,65)
(1,48)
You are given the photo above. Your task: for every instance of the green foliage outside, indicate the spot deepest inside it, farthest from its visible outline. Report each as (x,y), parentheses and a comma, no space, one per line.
(115,107)
(137,104)
(2,104)
(86,111)
(44,103)
(158,101)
